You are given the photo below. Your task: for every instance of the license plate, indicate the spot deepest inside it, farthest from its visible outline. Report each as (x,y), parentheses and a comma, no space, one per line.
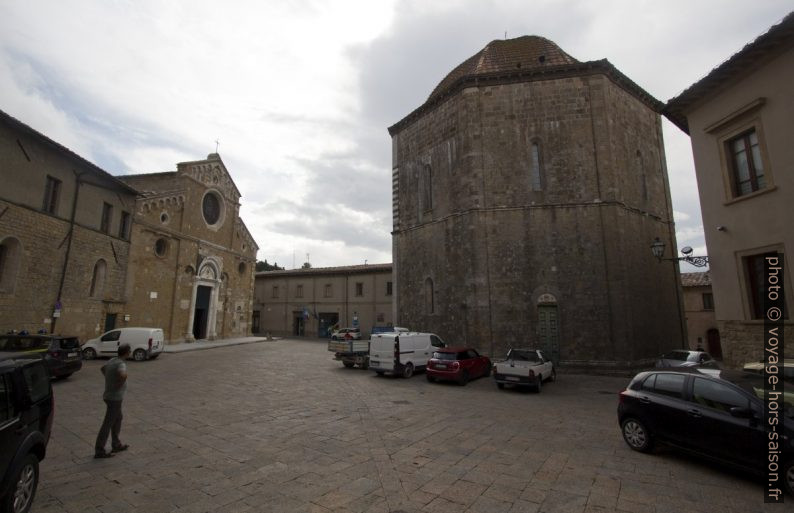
(512,378)
(441,366)
(71,355)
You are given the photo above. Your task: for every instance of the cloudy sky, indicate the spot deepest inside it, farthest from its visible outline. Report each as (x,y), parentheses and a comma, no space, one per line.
(299,93)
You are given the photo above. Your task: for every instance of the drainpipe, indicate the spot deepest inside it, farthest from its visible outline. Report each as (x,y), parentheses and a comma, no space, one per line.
(69,236)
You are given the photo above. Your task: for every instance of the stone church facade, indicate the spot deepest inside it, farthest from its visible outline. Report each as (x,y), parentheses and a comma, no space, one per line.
(193,260)
(527,191)
(82,252)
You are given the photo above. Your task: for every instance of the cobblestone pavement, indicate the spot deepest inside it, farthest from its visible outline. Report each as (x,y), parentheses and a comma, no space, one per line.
(279,426)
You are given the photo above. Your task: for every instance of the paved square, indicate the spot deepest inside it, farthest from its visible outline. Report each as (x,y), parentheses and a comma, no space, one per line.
(279,426)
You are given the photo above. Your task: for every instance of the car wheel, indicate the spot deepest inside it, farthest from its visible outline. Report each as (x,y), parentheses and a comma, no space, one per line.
(500,386)
(408,370)
(89,354)
(464,378)
(19,498)
(788,477)
(349,365)
(139,355)
(430,378)
(637,435)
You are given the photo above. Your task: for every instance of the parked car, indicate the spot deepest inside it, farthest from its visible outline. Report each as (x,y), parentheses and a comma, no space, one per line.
(717,414)
(684,358)
(26,413)
(347,333)
(402,353)
(459,364)
(787,368)
(527,367)
(60,354)
(145,343)
(387,329)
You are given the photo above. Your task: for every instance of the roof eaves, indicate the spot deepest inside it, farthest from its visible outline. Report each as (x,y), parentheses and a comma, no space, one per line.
(753,55)
(66,151)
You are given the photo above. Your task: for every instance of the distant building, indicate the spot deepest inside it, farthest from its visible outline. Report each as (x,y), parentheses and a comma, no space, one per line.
(83,252)
(701,323)
(309,302)
(740,118)
(527,191)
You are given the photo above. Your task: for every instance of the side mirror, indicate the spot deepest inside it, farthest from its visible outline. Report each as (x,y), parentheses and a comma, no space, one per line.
(741,412)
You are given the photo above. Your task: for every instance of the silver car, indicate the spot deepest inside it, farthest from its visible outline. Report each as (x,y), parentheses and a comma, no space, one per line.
(684,358)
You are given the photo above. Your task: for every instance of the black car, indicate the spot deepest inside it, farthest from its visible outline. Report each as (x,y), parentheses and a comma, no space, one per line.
(718,414)
(61,354)
(26,412)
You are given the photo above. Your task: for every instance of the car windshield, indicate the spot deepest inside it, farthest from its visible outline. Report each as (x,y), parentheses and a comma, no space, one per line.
(676,355)
(21,343)
(438,355)
(526,356)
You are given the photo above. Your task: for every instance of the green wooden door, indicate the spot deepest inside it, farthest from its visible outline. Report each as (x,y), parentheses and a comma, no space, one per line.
(548,332)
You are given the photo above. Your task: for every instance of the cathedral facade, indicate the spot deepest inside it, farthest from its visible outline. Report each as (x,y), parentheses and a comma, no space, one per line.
(527,191)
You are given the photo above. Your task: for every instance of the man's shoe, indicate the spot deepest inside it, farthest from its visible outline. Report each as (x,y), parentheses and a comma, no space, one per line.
(120,448)
(103,454)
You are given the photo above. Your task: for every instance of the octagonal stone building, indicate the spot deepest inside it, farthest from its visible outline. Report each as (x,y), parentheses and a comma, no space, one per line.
(527,191)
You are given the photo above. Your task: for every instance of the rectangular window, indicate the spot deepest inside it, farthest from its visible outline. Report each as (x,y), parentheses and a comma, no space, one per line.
(754,266)
(746,163)
(536,184)
(124,226)
(708,301)
(299,291)
(359,289)
(388,288)
(329,291)
(275,291)
(52,193)
(107,215)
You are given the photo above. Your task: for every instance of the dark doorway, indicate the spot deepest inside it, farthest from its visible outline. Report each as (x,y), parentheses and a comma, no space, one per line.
(255,322)
(548,332)
(713,342)
(327,321)
(110,322)
(298,324)
(202,312)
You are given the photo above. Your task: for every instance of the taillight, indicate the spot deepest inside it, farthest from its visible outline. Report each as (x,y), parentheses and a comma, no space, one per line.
(150,344)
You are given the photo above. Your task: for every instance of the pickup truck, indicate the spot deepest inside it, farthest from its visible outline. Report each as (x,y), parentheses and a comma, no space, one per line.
(524,367)
(351,352)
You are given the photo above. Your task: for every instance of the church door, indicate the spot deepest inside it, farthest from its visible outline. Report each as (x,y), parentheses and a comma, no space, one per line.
(548,334)
(201,315)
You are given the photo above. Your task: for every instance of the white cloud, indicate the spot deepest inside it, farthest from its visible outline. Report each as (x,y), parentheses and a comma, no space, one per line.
(300,93)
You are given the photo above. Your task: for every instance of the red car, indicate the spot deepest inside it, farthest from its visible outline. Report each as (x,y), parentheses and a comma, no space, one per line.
(457,364)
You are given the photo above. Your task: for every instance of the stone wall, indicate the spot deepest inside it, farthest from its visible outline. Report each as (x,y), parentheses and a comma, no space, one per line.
(743,342)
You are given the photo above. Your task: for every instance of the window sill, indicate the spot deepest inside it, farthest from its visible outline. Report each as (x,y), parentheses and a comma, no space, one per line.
(751,195)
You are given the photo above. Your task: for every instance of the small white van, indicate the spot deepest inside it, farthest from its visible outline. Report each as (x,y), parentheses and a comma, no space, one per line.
(145,343)
(402,353)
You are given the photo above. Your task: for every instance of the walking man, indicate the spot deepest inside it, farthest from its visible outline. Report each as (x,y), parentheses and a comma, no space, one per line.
(115,372)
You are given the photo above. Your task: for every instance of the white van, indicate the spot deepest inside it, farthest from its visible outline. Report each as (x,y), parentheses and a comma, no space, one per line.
(145,343)
(401,353)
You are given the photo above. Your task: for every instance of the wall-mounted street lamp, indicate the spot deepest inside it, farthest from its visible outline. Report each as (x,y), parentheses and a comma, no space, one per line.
(657,248)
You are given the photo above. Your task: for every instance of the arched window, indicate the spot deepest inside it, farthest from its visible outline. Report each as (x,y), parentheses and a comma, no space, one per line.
(430,306)
(428,188)
(98,278)
(536,183)
(10,256)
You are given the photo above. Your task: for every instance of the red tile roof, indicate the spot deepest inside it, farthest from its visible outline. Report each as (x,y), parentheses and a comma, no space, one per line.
(696,279)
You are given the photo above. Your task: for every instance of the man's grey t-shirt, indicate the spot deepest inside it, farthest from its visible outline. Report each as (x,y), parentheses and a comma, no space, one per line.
(112,370)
